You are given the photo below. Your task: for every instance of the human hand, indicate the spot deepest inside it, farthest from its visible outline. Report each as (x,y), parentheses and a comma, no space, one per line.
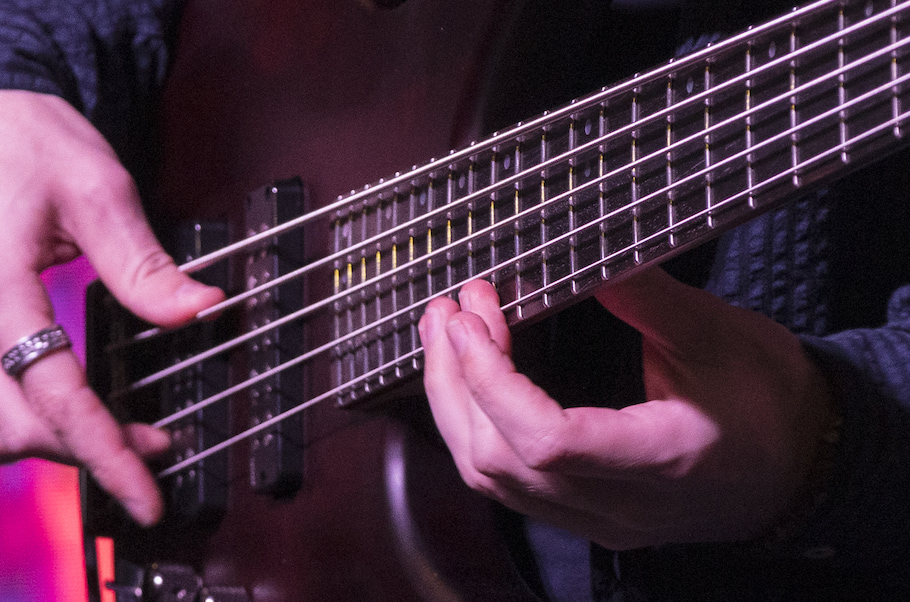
(64,193)
(721,449)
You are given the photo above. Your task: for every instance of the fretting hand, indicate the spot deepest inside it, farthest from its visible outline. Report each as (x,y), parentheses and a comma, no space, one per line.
(720,450)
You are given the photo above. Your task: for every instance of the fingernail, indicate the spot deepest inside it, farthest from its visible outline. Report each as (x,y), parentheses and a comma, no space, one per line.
(428,326)
(189,290)
(464,300)
(161,440)
(458,335)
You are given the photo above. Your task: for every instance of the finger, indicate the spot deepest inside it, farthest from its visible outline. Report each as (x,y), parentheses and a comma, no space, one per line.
(22,432)
(58,394)
(110,228)
(651,440)
(479,297)
(442,379)
(57,390)
(146,440)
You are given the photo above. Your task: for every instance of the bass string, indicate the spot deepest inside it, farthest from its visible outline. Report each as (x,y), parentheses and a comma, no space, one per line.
(510,221)
(415,354)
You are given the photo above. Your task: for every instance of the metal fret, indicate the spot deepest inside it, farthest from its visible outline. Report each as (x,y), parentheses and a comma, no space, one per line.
(794,117)
(895,72)
(709,184)
(670,173)
(749,137)
(841,89)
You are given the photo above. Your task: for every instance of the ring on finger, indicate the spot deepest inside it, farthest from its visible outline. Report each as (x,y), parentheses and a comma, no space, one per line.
(30,349)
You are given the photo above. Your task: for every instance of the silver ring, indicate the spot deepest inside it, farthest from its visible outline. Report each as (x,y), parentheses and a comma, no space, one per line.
(32,348)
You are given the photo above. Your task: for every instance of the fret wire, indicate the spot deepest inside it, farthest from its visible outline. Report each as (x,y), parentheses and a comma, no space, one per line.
(516,206)
(794,118)
(477,169)
(542,220)
(414,355)
(750,136)
(450,201)
(318,305)
(709,187)
(396,335)
(841,83)
(633,138)
(428,257)
(573,251)
(895,101)
(513,179)
(671,197)
(604,125)
(493,197)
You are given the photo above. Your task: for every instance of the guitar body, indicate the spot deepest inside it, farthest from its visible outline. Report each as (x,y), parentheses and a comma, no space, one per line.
(338,93)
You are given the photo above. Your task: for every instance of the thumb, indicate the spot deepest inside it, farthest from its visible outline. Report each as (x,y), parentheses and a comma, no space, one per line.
(112,232)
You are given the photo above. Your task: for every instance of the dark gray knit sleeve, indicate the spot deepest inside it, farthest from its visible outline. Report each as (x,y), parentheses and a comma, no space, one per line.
(863,519)
(106,57)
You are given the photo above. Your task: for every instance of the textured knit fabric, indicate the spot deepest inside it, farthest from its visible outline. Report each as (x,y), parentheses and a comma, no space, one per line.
(108,58)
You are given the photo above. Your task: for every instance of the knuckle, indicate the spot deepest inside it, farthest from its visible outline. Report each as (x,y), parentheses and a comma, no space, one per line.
(104,178)
(544,451)
(485,472)
(154,261)
(487,465)
(481,484)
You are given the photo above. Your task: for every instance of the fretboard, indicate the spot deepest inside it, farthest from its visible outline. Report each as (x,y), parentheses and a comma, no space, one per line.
(621,179)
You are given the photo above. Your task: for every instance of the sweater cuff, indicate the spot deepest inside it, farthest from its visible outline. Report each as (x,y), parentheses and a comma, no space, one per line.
(857,515)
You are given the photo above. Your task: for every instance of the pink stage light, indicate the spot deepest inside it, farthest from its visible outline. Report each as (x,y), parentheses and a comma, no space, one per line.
(41,557)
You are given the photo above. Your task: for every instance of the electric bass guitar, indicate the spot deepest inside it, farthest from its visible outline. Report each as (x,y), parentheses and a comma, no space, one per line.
(304,466)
